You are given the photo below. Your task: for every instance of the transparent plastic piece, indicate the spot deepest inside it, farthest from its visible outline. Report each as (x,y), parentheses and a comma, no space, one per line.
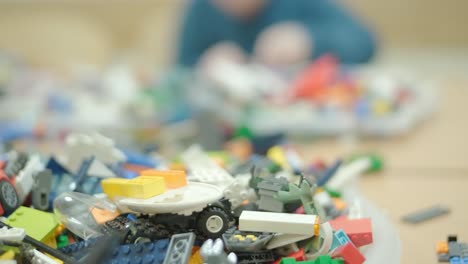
(74,210)
(386,245)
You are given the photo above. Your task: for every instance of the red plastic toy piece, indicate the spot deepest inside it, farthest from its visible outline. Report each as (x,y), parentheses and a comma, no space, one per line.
(349,253)
(358,230)
(313,81)
(298,256)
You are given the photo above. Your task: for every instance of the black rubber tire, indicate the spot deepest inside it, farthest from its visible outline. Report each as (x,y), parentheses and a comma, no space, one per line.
(220,218)
(8,197)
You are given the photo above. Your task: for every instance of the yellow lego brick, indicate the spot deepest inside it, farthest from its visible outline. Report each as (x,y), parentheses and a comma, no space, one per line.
(277,155)
(9,255)
(50,241)
(113,186)
(54,258)
(172,178)
(141,187)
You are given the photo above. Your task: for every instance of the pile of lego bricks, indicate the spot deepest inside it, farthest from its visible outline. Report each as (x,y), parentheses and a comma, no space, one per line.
(452,251)
(98,204)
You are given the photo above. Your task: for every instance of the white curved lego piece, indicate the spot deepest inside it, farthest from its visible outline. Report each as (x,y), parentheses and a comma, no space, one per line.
(192,197)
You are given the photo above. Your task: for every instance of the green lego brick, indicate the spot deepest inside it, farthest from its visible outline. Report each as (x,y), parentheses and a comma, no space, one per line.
(62,241)
(325,259)
(37,224)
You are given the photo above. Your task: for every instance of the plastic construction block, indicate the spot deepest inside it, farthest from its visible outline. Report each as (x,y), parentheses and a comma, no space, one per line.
(79,249)
(339,238)
(141,253)
(442,247)
(142,187)
(173,178)
(37,224)
(325,259)
(426,214)
(349,253)
(101,215)
(180,248)
(12,234)
(358,230)
(255,257)
(293,258)
(278,222)
(458,260)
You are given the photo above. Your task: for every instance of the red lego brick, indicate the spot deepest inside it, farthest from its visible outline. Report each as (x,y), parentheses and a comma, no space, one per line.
(358,230)
(298,256)
(349,253)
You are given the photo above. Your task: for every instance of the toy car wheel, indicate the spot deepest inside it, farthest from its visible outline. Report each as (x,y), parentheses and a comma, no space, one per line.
(212,222)
(8,197)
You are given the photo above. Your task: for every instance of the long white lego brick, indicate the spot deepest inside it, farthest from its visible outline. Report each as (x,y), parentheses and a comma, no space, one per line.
(347,173)
(12,234)
(25,181)
(204,169)
(278,223)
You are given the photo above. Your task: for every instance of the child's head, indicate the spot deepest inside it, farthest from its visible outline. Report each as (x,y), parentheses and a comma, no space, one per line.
(240,8)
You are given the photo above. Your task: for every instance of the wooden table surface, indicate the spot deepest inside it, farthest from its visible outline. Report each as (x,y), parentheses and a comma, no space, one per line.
(426,167)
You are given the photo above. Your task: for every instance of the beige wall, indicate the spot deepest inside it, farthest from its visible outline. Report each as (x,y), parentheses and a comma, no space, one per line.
(59,33)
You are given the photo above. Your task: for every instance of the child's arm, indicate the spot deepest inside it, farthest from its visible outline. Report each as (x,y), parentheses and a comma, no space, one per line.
(335,30)
(194,37)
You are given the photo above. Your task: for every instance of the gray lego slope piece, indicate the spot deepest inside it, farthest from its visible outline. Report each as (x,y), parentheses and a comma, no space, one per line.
(180,248)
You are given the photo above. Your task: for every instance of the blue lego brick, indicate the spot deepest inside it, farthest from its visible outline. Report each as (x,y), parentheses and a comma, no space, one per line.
(140,253)
(139,159)
(455,260)
(56,167)
(79,249)
(339,238)
(329,173)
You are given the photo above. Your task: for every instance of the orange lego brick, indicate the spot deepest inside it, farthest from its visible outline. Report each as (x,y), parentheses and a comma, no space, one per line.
(442,247)
(173,178)
(101,216)
(196,258)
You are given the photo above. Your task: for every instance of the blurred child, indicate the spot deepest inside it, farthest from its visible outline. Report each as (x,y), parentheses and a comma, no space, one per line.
(272,32)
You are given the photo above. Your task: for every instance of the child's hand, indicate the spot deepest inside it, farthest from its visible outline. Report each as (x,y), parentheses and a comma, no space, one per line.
(221,52)
(284,44)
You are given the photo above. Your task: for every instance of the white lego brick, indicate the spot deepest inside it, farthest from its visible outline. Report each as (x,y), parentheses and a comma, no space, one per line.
(81,146)
(25,181)
(100,170)
(204,169)
(278,222)
(12,234)
(347,173)
(40,258)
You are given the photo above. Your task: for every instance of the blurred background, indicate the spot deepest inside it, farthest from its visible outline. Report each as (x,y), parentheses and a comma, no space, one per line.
(60,34)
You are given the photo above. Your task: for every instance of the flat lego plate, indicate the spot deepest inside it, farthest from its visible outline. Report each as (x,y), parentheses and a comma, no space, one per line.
(192,197)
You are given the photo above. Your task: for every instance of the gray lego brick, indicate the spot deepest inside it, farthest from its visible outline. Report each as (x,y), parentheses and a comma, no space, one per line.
(180,249)
(426,214)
